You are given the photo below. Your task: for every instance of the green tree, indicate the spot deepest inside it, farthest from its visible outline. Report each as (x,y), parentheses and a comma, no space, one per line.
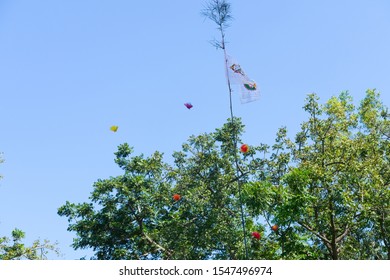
(329,189)
(16,250)
(134,216)
(375,186)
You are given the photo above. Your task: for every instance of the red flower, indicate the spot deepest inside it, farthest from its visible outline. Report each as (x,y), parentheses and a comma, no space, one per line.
(244,148)
(176,197)
(275,227)
(256,235)
(188,105)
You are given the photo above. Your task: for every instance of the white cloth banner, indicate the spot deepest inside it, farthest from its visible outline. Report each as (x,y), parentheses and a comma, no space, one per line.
(236,75)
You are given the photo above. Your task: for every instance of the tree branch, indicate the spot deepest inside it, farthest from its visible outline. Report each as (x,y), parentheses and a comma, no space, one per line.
(156,244)
(340,237)
(322,237)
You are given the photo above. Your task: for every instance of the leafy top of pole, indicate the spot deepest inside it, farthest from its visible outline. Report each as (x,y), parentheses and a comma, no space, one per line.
(218,11)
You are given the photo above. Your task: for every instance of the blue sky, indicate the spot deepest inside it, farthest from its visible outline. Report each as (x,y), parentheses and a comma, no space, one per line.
(71,69)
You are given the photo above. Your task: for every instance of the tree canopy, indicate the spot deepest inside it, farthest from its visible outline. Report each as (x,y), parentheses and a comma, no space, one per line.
(322,195)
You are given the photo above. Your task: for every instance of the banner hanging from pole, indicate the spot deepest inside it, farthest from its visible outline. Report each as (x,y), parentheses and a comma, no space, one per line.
(249,90)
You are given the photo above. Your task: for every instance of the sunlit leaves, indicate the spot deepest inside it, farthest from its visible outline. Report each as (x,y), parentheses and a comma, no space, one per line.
(13,248)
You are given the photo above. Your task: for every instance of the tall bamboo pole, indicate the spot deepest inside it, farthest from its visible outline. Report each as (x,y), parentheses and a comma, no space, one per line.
(219,12)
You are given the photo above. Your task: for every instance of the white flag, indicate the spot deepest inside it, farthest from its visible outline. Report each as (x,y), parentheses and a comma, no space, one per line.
(248,88)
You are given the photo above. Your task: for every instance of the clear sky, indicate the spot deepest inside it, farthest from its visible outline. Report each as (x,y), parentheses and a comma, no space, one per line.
(71,69)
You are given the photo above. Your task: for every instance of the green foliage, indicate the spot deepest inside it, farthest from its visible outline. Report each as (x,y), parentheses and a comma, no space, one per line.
(134,216)
(328,192)
(16,250)
(330,188)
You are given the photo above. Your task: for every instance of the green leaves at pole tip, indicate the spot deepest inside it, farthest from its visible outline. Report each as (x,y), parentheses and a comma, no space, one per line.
(219,11)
